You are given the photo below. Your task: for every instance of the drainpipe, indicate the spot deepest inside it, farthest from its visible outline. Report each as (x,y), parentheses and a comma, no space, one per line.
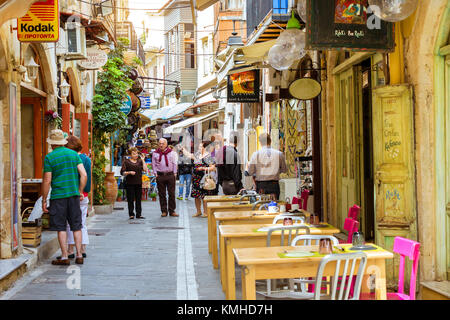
(14,9)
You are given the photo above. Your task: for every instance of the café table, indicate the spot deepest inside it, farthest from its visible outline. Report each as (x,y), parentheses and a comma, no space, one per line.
(238,217)
(269,263)
(222,198)
(248,236)
(212,207)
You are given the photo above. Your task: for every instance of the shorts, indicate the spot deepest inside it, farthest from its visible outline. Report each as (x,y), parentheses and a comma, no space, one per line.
(268,187)
(63,211)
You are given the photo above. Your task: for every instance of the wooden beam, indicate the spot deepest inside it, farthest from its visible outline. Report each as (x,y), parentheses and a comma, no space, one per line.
(193,12)
(33,89)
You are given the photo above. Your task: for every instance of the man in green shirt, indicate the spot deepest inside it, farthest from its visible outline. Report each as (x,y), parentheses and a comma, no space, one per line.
(65,173)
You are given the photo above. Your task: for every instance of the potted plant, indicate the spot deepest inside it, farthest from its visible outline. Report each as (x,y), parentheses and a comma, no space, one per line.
(119,195)
(153,196)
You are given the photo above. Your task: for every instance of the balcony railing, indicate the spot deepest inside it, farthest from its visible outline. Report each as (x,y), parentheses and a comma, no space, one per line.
(257,10)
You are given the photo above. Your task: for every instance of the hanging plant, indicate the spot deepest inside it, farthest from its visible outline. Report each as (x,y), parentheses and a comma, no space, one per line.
(52,118)
(110,92)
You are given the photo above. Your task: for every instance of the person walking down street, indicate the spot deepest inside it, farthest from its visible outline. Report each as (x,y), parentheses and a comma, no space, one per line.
(132,169)
(229,169)
(203,163)
(165,167)
(65,173)
(185,166)
(73,143)
(267,164)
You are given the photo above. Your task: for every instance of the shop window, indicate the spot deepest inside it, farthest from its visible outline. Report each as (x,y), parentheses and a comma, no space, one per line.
(189,50)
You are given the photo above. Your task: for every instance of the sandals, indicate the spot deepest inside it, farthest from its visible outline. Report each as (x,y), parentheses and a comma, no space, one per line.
(204,216)
(70,256)
(60,262)
(198,214)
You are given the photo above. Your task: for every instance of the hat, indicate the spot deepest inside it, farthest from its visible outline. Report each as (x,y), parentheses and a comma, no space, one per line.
(57,137)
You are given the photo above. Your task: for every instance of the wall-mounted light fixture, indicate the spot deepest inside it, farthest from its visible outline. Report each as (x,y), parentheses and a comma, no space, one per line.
(32,69)
(65,89)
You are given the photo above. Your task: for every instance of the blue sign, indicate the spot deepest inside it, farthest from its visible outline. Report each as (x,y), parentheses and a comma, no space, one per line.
(127,105)
(146,102)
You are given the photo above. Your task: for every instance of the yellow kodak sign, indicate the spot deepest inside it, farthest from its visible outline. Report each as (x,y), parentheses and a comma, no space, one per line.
(41,23)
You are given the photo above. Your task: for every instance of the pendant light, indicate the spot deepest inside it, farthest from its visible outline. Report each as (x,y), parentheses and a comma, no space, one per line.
(393,10)
(290,45)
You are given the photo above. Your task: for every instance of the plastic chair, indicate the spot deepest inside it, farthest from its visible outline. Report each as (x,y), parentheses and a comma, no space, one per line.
(344,286)
(289,230)
(353,212)
(405,248)
(281,217)
(304,199)
(351,226)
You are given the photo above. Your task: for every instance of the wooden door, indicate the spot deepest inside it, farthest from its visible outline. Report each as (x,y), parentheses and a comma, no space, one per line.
(395,201)
(446,226)
(347,129)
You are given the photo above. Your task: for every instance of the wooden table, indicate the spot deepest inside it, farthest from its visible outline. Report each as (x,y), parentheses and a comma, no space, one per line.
(235,218)
(264,263)
(244,236)
(212,207)
(222,198)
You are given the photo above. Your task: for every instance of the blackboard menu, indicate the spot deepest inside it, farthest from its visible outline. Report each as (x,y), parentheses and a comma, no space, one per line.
(346,25)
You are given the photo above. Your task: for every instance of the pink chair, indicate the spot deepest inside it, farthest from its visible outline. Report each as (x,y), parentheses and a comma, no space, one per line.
(353,212)
(405,248)
(304,198)
(351,226)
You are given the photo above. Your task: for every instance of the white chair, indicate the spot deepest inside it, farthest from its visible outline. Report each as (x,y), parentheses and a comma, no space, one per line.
(285,231)
(308,240)
(313,239)
(281,217)
(344,285)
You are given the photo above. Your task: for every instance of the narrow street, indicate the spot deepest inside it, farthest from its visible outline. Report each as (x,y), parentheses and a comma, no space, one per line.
(156,258)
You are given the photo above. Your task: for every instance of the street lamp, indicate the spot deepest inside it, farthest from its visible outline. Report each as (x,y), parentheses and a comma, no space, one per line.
(65,87)
(32,69)
(393,10)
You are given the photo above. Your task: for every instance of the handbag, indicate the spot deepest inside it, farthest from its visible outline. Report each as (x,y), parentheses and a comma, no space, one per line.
(229,188)
(208,182)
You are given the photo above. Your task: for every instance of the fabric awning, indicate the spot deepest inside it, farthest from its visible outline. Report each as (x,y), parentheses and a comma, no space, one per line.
(177,109)
(160,113)
(177,127)
(148,113)
(242,58)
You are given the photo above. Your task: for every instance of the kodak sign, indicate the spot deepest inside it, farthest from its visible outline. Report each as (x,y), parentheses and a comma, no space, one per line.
(40,24)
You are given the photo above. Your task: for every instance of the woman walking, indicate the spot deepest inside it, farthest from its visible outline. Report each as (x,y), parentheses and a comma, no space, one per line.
(132,170)
(185,166)
(203,163)
(74,143)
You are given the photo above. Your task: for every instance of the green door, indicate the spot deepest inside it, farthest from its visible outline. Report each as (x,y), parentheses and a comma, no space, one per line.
(347,122)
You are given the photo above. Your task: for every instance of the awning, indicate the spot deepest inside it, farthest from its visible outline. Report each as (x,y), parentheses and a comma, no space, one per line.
(148,113)
(160,113)
(177,109)
(191,121)
(242,59)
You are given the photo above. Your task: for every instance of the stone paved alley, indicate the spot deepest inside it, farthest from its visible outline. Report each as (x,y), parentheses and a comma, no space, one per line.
(156,258)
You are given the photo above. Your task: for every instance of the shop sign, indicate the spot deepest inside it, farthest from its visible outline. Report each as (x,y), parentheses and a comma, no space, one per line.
(347,25)
(243,87)
(127,105)
(40,24)
(95,59)
(146,102)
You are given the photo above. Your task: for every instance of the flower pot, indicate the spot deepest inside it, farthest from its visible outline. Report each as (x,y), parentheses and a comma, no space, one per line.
(153,199)
(111,187)
(103,209)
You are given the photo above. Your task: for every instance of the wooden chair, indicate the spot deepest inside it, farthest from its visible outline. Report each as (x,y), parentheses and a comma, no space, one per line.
(405,248)
(351,226)
(353,212)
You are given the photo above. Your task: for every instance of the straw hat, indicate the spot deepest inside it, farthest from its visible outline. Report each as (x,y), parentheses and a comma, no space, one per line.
(57,137)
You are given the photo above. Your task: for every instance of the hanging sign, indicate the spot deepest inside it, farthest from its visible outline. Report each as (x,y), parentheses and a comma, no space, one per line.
(127,105)
(146,102)
(347,25)
(96,59)
(40,24)
(243,87)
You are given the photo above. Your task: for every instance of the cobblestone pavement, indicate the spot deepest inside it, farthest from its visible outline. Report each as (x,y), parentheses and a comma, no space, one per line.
(156,258)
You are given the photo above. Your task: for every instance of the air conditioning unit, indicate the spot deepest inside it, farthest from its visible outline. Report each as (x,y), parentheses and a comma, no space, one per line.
(76,41)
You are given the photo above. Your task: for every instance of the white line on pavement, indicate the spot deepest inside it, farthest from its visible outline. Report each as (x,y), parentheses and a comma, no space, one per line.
(186,283)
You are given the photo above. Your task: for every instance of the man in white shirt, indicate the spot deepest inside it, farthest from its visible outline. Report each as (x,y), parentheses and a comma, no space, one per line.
(266,165)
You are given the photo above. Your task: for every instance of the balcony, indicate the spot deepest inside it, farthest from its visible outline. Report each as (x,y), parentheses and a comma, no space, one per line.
(261,19)
(125,29)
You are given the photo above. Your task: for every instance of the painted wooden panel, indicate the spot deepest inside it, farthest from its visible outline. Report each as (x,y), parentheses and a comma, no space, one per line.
(447,169)
(395,202)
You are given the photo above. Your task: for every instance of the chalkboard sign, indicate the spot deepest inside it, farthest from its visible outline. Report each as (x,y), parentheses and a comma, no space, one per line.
(346,25)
